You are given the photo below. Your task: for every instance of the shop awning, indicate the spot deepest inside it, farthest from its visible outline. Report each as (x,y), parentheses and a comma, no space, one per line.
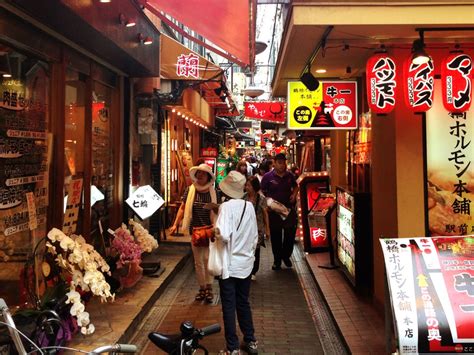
(180,63)
(229,25)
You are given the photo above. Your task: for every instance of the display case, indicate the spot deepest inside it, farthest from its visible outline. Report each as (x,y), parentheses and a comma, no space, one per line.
(354,237)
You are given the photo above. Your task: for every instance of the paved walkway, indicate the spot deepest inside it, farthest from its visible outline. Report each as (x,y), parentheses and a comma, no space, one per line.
(281,316)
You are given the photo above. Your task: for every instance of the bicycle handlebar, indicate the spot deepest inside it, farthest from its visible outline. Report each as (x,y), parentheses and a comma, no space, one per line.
(120,348)
(210,329)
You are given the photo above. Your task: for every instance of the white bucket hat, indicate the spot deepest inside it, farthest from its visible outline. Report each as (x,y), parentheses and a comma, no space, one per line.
(202,167)
(233,184)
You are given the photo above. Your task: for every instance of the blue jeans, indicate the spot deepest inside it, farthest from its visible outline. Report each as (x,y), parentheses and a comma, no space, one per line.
(235,297)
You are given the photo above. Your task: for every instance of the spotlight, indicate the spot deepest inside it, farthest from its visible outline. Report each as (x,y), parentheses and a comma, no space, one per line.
(146,40)
(126,22)
(419,54)
(5,68)
(309,81)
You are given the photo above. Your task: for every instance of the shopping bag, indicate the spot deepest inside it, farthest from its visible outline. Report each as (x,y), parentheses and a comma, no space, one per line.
(215,261)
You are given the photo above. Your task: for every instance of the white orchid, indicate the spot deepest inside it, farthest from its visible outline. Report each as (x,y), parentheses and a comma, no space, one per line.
(73,297)
(67,243)
(88,330)
(146,241)
(77,307)
(51,248)
(55,235)
(83,319)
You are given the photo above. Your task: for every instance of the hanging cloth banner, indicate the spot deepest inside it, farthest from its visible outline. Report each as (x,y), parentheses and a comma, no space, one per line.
(381,83)
(418,85)
(457,82)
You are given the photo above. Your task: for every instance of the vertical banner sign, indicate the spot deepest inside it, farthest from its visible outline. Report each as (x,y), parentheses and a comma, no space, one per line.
(418,85)
(74,193)
(431,286)
(221,170)
(456,79)
(332,106)
(450,166)
(381,83)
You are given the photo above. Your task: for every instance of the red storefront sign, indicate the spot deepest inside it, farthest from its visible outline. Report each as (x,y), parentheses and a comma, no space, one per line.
(318,237)
(273,111)
(418,85)
(456,82)
(209,152)
(340,101)
(381,83)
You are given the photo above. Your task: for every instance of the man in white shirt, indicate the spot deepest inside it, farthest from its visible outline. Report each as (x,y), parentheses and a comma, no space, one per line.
(236,225)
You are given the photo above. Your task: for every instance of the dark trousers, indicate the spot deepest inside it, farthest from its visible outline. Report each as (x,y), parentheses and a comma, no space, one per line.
(282,235)
(235,298)
(256,263)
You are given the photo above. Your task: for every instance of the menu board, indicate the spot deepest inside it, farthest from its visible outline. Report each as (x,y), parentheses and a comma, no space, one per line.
(24,156)
(345,231)
(432,294)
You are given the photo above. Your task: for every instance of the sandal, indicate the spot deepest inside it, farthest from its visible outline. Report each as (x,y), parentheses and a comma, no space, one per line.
(209,296)
(200,295)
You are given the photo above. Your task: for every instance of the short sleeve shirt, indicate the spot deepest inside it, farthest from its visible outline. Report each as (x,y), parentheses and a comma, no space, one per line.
(278,187)
(201,216)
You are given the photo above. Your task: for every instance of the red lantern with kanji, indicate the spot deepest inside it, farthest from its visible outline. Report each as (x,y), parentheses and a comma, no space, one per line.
(418,80)
(381,83)
(456,82)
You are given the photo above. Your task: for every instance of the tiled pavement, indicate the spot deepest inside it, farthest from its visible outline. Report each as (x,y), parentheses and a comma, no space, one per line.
(282,321)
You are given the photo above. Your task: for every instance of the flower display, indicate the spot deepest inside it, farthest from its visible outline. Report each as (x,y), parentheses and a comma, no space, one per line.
(124,244)
(146,241)
(86,268)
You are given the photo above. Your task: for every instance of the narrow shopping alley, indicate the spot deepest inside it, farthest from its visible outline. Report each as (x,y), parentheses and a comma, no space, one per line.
(282,317)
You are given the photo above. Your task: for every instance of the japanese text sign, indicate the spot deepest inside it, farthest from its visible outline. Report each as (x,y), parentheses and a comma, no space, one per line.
(431,284)
(145,201)
(273,111)
(188,66)
(456,80)
(332,106)
(450,168)
(381,83)
(418,85)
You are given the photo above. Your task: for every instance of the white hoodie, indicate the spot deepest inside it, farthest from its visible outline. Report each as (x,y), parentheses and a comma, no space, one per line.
(239,245)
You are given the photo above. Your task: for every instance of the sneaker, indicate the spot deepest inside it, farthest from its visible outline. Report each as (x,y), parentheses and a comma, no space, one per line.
(254,277)
(276,266)
(229,352)
(250,347)
(200,295)
(288,262)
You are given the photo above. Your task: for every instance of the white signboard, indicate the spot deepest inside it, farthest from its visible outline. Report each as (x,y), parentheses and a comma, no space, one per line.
(145,201)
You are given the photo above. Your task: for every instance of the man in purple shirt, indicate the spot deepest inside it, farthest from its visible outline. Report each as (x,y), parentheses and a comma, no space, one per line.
(280,185)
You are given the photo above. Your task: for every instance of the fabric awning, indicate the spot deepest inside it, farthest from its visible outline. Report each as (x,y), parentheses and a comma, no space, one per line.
(229,25)
(178,62)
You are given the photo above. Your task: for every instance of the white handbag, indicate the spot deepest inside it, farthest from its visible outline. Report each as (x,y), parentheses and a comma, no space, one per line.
(215,262)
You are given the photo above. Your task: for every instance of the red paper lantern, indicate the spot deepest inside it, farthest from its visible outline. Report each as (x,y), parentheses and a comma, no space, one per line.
(418,85)
(381,83)
(457,82)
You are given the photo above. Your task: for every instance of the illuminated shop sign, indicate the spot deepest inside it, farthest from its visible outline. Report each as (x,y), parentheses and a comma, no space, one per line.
(332,106)
(431,290)
(272,111)
(381,74)
(456,78)
(418,85)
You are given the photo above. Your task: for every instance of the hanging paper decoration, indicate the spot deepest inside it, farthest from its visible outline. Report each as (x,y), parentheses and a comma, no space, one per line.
(418,85)
(381,83)
(457,82)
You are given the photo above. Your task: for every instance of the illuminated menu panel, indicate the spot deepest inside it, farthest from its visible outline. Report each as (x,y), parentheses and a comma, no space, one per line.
(345,231)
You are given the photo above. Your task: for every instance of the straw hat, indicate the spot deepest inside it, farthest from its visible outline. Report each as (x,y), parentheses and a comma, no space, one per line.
(202,167)
(233,184)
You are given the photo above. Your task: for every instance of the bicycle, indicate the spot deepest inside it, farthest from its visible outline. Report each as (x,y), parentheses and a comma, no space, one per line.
(49,350)
(186,343)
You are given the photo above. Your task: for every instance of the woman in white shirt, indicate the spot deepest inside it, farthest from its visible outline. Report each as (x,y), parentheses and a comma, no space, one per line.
(236,225)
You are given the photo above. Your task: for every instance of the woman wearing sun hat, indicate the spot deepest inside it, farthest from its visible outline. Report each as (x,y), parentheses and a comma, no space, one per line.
(236,226)
(195,212)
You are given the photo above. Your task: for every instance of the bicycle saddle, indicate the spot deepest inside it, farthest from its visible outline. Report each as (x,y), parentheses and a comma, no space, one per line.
(168,343)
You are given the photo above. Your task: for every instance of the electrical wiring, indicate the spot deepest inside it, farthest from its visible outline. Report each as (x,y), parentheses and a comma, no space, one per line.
(24,336)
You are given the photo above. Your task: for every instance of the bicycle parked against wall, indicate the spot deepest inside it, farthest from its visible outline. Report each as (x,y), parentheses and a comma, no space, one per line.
(186,343)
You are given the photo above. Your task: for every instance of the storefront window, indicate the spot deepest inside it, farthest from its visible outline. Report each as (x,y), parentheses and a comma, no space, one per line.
(102,158)
(24,165)
(74,153)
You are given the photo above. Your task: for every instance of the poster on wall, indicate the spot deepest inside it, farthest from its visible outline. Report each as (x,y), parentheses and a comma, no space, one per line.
(332,106)
(185,162)
(23,158)
(450,167)
(431,286)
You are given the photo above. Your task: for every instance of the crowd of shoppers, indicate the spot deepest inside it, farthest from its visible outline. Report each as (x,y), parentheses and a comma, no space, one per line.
(243,215)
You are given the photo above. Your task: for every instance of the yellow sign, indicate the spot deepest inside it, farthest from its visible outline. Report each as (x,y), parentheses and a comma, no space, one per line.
(302,105)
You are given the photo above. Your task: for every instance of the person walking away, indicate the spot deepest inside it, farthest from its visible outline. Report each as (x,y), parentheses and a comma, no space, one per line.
(236,226)
(242,167)
(264,168)
(195,213)
(280,185)
(259,202)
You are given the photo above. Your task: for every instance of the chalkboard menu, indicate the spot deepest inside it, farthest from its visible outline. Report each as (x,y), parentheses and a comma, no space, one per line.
(23,155)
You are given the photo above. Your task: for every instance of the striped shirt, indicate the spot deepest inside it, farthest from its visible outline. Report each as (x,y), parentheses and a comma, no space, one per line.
(201,217)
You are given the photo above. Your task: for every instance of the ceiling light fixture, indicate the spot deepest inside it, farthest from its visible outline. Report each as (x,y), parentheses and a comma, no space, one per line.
(5,68)
(419,54)
(126,22)
(321,71)
(146,40)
